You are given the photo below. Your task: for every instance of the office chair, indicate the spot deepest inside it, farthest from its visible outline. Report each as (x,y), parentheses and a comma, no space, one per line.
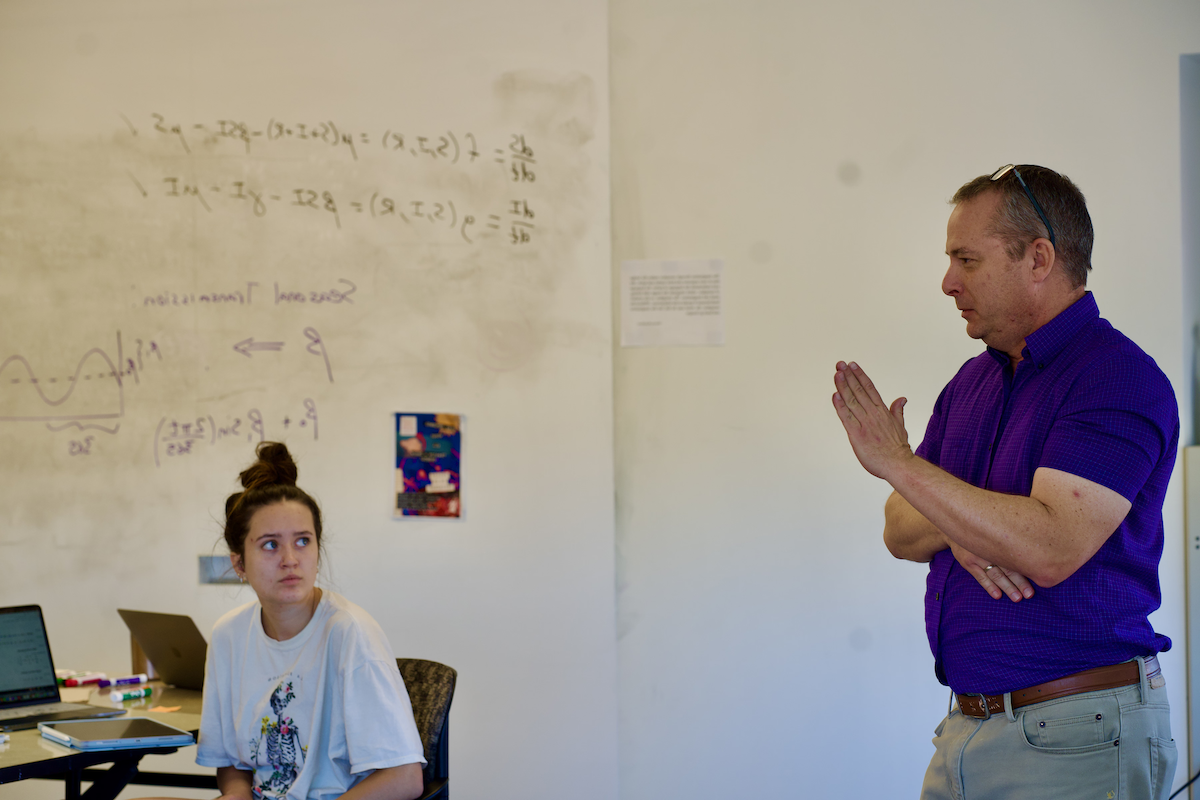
(431,690)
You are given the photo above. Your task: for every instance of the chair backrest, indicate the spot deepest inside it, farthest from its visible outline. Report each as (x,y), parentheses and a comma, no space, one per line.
(431,690)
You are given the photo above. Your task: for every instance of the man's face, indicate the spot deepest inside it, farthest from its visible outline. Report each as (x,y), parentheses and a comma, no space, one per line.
(991,291)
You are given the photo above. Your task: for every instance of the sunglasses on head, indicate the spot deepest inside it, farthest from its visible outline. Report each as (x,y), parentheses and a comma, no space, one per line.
(1000,173)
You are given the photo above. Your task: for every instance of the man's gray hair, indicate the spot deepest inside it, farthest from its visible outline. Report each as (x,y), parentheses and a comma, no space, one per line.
(1017,223)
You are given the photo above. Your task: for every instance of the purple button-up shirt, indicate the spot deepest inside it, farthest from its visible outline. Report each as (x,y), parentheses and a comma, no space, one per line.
(1085,400)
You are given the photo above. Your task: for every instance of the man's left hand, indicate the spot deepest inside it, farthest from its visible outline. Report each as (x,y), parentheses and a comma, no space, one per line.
(995,580)
(876,431)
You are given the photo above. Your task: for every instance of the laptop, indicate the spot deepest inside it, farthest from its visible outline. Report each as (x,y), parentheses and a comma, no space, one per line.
(173,645)
(28,690)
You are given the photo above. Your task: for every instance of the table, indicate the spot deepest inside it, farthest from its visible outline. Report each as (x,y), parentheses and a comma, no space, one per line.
(29,755)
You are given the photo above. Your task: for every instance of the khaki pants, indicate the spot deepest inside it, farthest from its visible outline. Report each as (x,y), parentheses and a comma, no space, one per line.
(1112,744)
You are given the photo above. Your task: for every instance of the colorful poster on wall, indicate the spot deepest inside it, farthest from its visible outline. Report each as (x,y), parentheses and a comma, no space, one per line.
(428,481)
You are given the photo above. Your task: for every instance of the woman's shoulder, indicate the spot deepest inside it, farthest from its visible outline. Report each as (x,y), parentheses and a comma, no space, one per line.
(235,621)
(349,624)
(345,614)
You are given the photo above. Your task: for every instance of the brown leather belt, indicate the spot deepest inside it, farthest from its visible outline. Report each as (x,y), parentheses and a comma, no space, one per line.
(982,706)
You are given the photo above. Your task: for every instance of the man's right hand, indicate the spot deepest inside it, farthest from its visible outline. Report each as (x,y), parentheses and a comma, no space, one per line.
(995,580)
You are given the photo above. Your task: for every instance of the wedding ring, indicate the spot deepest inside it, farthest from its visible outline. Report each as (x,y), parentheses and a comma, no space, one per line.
(989,566)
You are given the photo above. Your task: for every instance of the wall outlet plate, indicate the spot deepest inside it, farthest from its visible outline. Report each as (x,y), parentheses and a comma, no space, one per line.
(217,569)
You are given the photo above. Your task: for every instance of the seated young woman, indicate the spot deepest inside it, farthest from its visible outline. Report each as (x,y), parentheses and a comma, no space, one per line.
(302,698)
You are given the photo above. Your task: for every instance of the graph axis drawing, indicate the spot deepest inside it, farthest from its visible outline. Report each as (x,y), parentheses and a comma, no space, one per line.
(24,396)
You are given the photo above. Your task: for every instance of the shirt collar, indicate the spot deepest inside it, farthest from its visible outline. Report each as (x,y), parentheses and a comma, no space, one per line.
(1044,344)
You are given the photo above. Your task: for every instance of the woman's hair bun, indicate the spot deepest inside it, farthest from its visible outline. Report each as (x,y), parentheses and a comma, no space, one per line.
(274,467)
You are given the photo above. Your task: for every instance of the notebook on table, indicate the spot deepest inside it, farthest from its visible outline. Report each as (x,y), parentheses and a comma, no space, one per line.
(28,691)
(173,645)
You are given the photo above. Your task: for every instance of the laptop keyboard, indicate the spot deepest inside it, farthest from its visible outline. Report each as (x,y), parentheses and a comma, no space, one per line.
(38,710)
(19,719)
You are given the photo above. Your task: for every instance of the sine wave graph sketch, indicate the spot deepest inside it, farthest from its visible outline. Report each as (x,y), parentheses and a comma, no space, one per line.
(90,397)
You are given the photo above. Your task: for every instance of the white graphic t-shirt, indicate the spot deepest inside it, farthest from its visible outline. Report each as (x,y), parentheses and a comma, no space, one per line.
(312,716)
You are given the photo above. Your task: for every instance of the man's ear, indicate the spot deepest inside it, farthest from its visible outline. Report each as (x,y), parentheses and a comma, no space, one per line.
(1043,259)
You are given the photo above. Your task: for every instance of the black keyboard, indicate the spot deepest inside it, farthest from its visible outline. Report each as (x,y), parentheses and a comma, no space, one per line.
(24,723)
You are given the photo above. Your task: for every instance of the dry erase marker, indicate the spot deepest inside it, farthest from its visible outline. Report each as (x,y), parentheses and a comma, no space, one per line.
(85,678)
(121,695)
(61,675)
(132,679)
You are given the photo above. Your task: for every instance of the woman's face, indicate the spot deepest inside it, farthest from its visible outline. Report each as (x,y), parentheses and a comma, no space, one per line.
(279,555)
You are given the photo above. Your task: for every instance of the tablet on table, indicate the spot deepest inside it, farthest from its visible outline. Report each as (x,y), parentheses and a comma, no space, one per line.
(114,734)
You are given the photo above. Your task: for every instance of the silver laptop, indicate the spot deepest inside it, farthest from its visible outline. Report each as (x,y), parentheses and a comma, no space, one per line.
(173,645)
(28,690)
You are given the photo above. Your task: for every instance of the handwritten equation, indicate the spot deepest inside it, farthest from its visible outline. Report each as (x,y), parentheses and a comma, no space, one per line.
(515,224)
(179,437)
(516,157)
(24,397)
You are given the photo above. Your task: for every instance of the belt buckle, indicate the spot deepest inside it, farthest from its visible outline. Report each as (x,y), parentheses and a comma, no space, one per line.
(987,713)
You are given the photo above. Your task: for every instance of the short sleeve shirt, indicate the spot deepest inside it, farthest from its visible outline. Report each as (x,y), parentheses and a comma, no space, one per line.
(1085,400)
(310,716)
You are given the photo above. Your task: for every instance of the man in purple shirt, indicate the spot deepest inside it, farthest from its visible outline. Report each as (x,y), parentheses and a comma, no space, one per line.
(1036,497)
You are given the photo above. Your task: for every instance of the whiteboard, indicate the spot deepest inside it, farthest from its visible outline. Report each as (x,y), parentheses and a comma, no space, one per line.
(225,222)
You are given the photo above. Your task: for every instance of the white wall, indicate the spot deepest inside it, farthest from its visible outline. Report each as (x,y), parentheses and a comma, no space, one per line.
(768,643)
(518,594)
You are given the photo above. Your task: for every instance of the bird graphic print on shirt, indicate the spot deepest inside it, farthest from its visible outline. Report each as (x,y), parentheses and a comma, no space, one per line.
(278,753)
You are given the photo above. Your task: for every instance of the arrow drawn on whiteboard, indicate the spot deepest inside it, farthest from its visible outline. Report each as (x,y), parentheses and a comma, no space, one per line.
(246,346)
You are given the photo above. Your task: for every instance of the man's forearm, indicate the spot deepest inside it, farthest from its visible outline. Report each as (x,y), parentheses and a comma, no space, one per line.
(908,534)
(1044,540)
(1045,536)
(983,522)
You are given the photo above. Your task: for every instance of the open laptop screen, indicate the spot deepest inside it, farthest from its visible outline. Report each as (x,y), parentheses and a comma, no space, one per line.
(26,669)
